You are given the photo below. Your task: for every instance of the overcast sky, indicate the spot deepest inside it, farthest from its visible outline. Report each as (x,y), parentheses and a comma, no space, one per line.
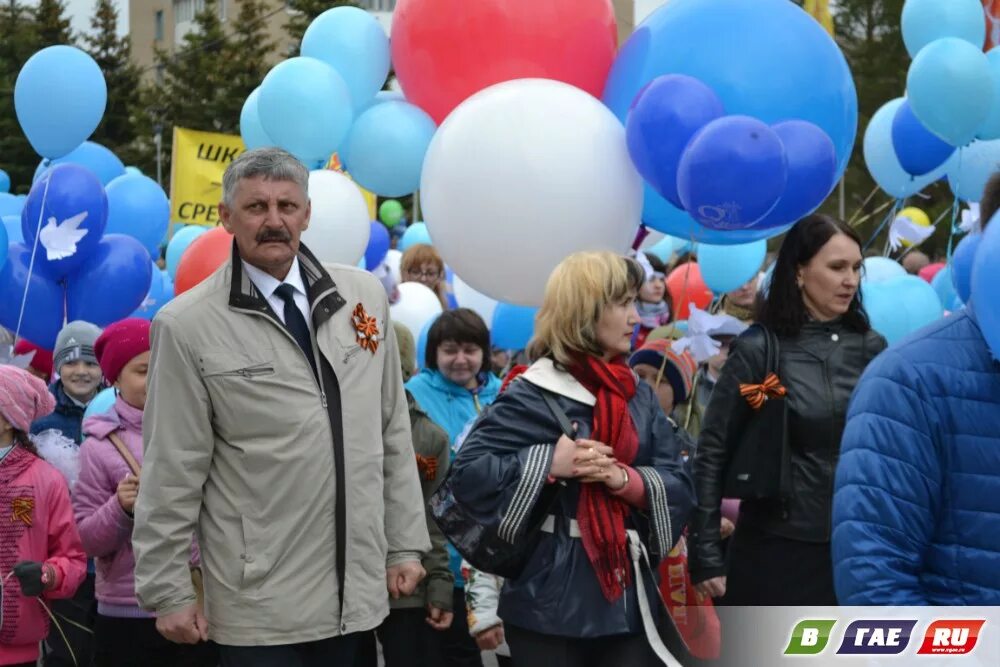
(81,10)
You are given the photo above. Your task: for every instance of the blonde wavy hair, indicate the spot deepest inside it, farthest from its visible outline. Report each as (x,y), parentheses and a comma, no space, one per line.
(576,294)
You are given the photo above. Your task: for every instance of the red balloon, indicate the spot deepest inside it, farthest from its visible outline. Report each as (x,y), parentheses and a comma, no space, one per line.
(206,254)
(446,50)
(686,286)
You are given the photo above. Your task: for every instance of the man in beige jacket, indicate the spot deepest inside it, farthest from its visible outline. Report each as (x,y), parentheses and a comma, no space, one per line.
(277,430)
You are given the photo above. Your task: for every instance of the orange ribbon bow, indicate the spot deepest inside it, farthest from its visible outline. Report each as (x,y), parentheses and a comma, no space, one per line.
(428,467)
(757,394)
(22,508)
(367,328)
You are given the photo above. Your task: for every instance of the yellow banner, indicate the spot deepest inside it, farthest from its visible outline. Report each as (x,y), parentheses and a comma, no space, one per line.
(820,9)
(199,160)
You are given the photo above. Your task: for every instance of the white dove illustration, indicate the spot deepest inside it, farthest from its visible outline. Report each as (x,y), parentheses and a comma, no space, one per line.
(60,239)
(904,229)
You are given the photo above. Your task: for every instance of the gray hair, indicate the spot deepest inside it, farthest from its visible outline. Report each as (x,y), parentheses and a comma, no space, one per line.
(274,164)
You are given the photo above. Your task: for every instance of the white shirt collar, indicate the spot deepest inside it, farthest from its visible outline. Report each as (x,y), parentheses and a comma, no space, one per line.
(267,283)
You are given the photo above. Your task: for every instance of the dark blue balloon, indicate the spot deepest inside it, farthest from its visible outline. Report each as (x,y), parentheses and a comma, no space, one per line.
(378,246)
(113,284)
(961,265)
(664,117)
(812,172)
(43,312)
(919,150)
(513,326)
(661,215)
(732,173)
(69,208)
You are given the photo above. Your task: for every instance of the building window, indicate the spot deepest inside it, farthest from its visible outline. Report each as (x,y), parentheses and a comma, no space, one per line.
(159,25)
(185,10)
(223,9)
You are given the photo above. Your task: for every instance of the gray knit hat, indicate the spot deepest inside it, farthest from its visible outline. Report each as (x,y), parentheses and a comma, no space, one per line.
(75,341)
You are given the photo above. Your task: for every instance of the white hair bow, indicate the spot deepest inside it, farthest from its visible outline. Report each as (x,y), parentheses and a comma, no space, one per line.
(701,327)
(970,222)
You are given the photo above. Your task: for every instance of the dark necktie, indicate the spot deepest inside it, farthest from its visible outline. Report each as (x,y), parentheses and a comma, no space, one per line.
(296,323)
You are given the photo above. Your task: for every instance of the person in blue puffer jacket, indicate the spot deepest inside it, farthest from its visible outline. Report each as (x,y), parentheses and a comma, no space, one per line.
(917,502)
(453,388)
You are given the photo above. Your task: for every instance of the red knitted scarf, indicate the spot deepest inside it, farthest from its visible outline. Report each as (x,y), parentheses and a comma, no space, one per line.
(601,515)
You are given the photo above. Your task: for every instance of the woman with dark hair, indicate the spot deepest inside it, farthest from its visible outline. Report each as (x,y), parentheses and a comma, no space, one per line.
(780,553)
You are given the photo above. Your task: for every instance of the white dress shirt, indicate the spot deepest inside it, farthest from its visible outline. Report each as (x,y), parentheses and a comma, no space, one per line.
(266,284)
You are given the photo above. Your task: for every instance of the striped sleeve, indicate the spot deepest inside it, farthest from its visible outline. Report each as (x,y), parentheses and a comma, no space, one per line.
(535,470)
(659,511)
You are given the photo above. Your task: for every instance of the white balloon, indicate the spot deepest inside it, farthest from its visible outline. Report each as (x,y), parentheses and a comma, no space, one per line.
(468,297)
(417,305)
(538,166)
(392,260)
(339,229)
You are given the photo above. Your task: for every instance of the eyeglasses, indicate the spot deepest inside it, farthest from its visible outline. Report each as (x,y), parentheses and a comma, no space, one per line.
(426,275)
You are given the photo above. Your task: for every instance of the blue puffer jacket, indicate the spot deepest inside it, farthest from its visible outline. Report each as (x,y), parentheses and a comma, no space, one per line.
(68,416)
(447,404)
(917,505)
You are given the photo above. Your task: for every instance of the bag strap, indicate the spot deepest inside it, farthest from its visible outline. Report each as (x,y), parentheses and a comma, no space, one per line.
(559,414)
(125,454)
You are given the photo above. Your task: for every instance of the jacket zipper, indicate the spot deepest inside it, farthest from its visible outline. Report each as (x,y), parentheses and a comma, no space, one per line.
(251,372)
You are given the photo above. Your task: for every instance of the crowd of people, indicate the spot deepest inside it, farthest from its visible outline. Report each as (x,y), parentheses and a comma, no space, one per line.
(281,481)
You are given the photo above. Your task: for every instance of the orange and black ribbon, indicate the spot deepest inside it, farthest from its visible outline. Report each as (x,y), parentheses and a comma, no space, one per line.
(366,327)
(22,509)
(428,467)
(757,394)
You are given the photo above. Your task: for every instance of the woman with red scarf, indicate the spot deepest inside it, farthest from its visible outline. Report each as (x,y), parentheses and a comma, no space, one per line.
(581,600)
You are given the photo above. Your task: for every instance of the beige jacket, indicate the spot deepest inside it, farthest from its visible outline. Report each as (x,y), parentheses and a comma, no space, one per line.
(294,486)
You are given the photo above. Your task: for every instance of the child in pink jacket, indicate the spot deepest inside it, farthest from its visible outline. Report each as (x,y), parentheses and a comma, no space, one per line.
(104,500)
(40,553)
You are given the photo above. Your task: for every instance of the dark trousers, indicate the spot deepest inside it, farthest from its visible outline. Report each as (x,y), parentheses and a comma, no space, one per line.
(531,649)
(76,618)
(407,641)
(134,642)
(460,648)
(333,652)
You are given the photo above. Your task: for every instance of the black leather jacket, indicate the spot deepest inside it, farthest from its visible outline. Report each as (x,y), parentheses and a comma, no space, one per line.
(819,368)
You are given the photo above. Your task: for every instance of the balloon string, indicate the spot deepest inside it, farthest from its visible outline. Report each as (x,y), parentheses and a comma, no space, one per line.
(897,205)
(34,251)
(955,207)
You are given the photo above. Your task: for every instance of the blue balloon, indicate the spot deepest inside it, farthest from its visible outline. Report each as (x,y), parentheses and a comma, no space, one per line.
(919,150)
(305,107)
(943,284)
(11,204)
(352,42)
(134,170)
(726,268)
(737,48)
(12,224)
(882,161)
(44,304)
(69,207)
(138,207)
(991,128)
(161,291)
(251,130)
(422,342)
(384,152)
(59,97)
(732,173)
(4,245)
(900,306)
(665,116)
(101,404)
(881,269)
(4,181)
(925,21)
(179,242)
(812,170)
(513,326)
(972,167)
(962,261)
(985,278)
(101,161)
(415,234)
(378,245)
(950,87)
(114,282)
(661,215)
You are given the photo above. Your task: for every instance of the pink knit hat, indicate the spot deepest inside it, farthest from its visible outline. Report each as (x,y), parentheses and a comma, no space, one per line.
(23,398)
(120,343)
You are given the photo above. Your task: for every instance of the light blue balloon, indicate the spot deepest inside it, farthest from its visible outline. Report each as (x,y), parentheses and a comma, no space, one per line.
(12,223)
(161,291)
(95,157)
(513,326)
(985,278)
(900,306)
(971,167)
(881,159)
(138,207)
(962,262)
(383,96)
(133,170)
(351,41)
(663,248)
(925,21)
(4,181)
(101,403)
(251,130)
(726,268)
(384,152)
(991,128)
(415,234)
(180,241)
(60,96)
(11,204)
(944,287)
(950,88)
(881,269)
(305,107)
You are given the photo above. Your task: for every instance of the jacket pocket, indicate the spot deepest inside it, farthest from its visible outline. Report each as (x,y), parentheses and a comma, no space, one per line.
(256,564)
(218,366)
